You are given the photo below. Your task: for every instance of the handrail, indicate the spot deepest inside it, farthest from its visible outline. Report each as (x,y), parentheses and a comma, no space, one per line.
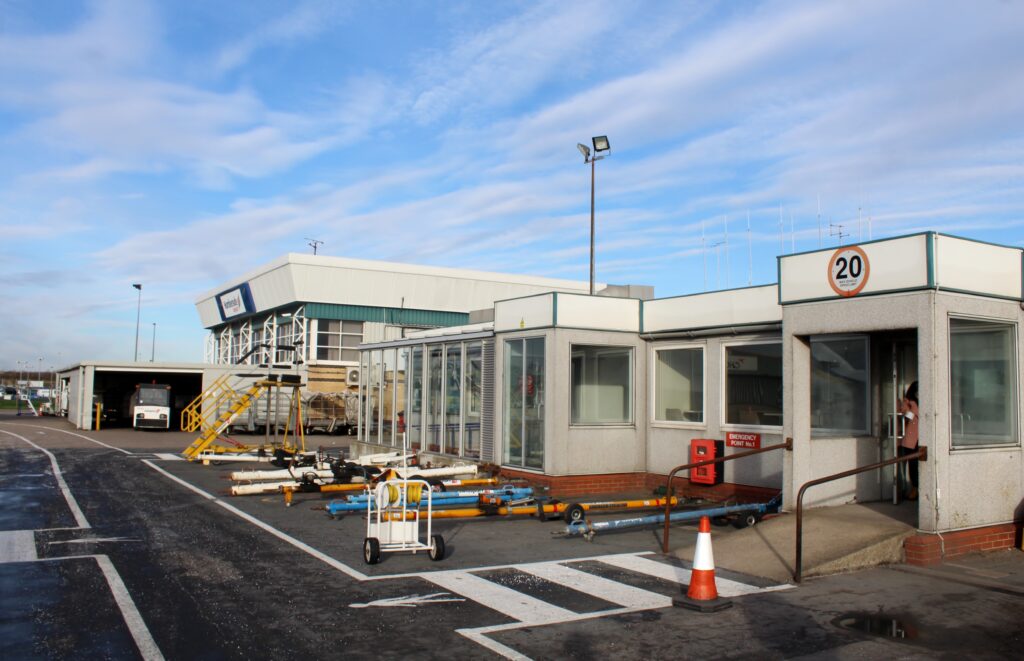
(787,445)
(921,454)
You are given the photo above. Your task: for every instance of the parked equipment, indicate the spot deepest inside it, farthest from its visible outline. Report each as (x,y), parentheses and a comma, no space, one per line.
(393,521)
(743,515)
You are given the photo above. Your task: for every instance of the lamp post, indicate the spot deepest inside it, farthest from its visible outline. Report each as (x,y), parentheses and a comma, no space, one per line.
(138,311)
(600,145)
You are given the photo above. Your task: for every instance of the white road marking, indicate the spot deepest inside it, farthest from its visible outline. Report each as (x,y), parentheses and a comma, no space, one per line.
(81,436)
(497,597)
(409,601)
(17,546)
(726,587)
(72,503)
(93,540)
(302,546)
(168,456)
(136,625)
(603,588)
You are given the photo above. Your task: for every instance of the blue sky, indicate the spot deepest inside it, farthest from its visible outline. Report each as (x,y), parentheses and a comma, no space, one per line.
(178,144)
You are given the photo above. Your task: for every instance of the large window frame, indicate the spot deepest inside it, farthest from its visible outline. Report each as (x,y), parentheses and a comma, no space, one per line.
(957,381)
(724,388)
(337,340)
(684,420)
(867,415)
(580,362)
(524,402)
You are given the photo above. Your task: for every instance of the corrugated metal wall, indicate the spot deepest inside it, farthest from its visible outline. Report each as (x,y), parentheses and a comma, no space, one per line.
(487,426)
(395,316)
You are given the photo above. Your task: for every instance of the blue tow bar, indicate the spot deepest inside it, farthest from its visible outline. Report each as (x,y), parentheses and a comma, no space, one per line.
(588,529)
(440,499)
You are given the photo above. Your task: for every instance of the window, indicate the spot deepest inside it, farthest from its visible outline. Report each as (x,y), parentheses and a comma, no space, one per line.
(453,398)
(337,340)
(524,402)
(416,399)
(601,385)
(839,386)
(435,397)
(983,383)
(679,384)
(387,399)
(474,391)
(753,384)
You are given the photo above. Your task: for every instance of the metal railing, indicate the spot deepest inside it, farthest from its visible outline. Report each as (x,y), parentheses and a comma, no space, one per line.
(921,454)
(787,445)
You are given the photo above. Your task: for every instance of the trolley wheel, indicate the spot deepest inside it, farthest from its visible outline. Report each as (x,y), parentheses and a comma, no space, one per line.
(745,520)
(574,513)
(437,486)
(371,550)
(720,521)
(436,551)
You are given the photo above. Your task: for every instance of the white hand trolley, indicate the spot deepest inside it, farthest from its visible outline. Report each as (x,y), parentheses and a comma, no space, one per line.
(393,520)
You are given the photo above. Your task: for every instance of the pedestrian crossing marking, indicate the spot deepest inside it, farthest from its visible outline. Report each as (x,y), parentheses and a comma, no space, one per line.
(512,603)
(598,586)
(635,563)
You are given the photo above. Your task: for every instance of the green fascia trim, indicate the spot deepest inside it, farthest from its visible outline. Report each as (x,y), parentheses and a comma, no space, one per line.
(396,316)
(930,242)
(554,308)
(641,315)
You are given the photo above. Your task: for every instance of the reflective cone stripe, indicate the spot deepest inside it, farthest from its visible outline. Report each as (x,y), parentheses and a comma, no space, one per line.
(702,578)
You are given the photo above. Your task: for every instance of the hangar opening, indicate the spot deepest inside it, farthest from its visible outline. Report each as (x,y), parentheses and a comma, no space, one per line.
(106,389)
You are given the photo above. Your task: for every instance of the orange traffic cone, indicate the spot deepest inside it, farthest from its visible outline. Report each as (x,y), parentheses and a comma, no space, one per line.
(702,594)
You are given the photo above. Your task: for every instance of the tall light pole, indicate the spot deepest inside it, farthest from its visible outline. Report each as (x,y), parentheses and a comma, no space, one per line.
(152,356)
(600,145)
(138,311)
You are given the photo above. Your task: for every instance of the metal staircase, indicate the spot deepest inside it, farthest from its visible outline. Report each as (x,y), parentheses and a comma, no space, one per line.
(224,405)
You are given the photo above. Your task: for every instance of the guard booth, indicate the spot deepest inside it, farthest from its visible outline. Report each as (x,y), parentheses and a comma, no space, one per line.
(862,322)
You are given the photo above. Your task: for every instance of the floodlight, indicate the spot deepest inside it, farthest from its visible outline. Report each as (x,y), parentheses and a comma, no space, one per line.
(601,143)
(585,150)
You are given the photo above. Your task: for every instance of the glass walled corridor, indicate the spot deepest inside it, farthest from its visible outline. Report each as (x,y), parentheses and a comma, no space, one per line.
(425,397)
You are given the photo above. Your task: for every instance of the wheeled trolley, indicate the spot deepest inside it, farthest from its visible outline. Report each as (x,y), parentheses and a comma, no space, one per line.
(393,520)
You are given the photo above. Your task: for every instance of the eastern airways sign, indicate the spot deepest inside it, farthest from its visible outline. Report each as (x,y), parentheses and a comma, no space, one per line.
(235,302)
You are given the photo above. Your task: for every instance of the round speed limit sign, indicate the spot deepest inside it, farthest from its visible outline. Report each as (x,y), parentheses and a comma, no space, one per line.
(848,271)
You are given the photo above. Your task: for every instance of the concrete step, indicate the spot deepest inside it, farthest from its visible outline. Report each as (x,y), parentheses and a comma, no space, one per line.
(836,539)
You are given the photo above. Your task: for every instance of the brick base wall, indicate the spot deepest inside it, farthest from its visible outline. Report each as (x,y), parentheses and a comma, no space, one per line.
(930,549)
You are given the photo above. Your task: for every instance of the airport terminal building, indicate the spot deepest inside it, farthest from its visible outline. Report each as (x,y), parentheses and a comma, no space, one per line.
(603,394)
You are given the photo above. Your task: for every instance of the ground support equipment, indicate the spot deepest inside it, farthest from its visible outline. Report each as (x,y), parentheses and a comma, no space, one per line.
(393,521)
(749,514)
(439,485)
(440,499)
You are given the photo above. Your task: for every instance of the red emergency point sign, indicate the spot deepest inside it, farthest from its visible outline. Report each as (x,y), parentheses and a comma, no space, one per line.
(735,439)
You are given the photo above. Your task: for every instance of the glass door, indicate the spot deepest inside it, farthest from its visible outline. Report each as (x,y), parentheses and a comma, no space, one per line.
(898,359)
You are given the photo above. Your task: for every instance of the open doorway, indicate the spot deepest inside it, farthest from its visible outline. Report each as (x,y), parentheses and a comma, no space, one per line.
(897,369)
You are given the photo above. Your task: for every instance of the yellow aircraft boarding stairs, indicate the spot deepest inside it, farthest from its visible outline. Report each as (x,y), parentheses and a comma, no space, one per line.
(217,407)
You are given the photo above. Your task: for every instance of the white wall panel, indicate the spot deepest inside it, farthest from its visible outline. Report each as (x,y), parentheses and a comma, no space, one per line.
(724,308)
(599,313)
(520,313)
(977,267)
(895,265)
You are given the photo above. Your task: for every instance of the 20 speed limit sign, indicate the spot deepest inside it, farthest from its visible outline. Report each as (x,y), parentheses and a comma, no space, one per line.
(848,271)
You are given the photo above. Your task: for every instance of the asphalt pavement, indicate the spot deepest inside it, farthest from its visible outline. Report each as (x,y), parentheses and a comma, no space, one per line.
(110,548)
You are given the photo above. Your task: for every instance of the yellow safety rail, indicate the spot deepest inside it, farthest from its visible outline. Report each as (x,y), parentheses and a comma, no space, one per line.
(192,415)
(236,405)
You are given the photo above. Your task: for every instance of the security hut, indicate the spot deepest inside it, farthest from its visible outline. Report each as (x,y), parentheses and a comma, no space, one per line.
(860,324)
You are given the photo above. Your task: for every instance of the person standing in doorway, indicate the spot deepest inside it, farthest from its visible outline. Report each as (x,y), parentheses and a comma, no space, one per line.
(908,444)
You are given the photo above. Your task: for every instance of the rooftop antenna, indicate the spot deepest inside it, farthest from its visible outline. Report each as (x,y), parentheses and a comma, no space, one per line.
(869,227)
(314,243)
(725,220)
(819,220)
(718,278)
(704,254)
(750,254)
(837,231)
(860,228)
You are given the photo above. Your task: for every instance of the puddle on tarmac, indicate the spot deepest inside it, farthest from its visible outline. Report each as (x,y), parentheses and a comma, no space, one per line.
(876,624)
